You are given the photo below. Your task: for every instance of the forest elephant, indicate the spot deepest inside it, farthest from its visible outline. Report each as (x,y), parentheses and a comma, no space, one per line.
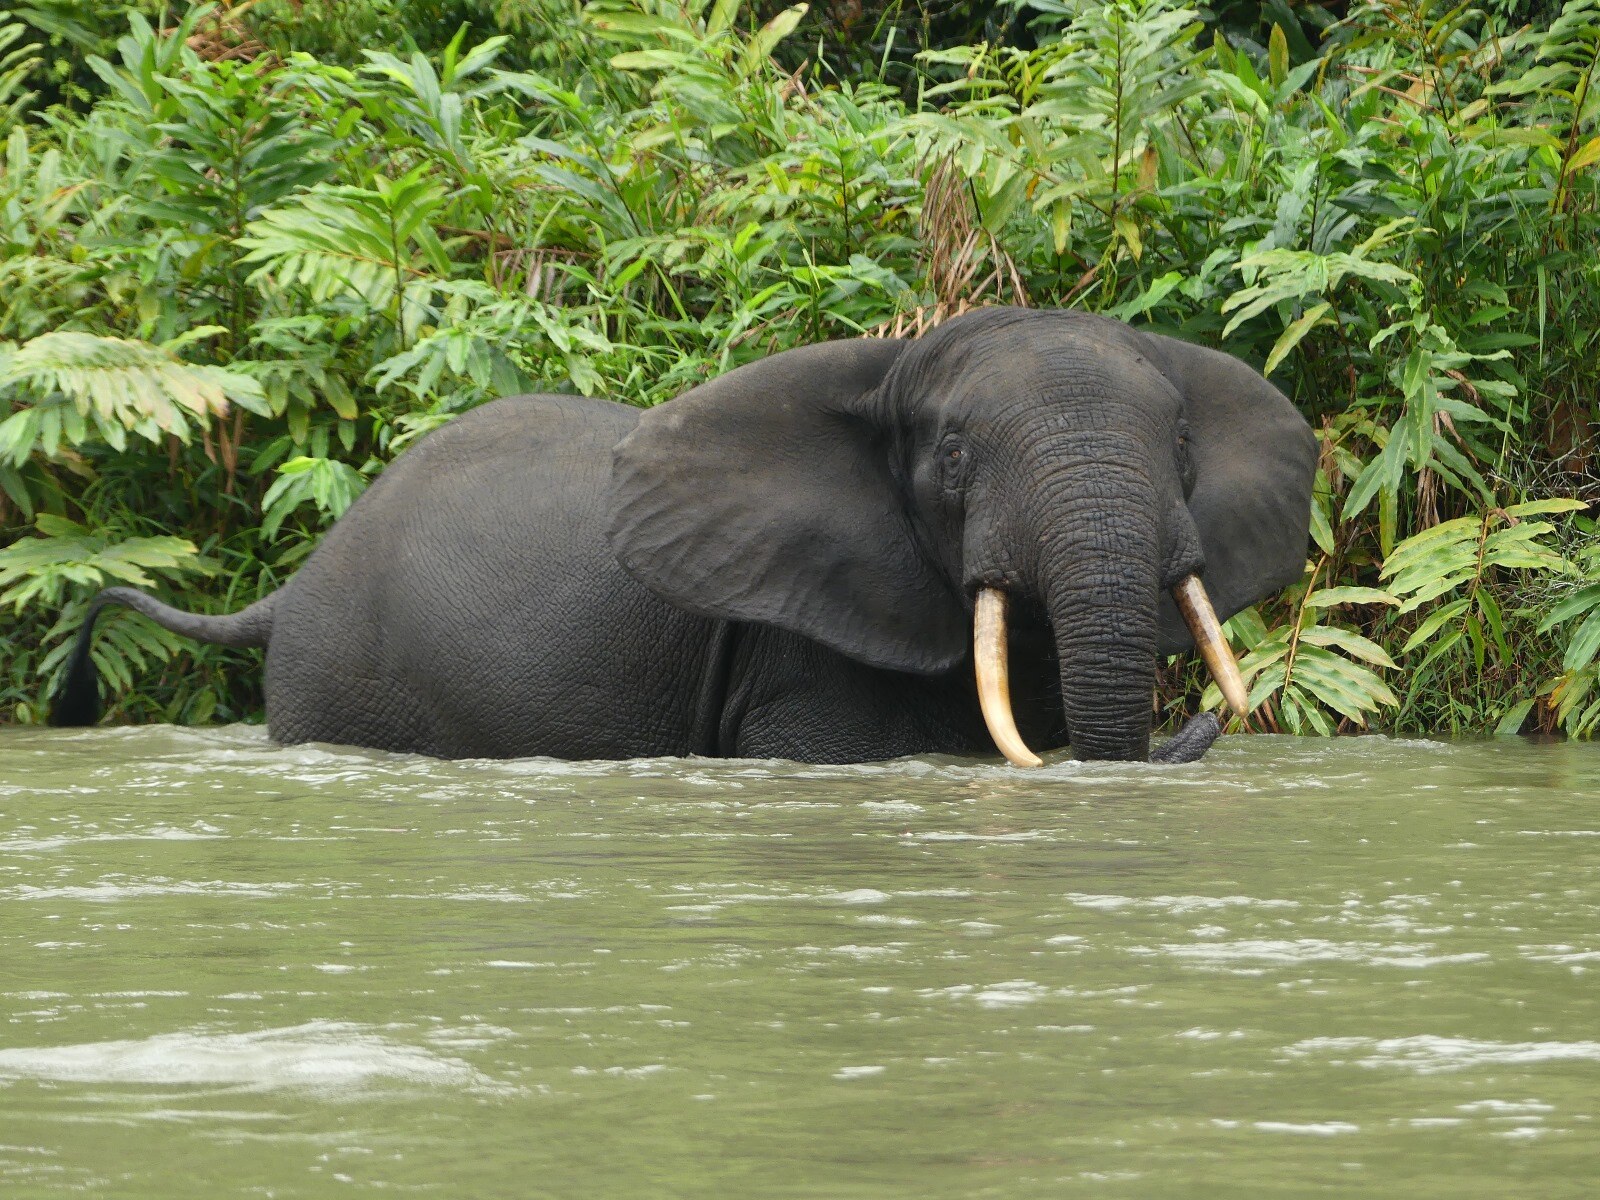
(790,560)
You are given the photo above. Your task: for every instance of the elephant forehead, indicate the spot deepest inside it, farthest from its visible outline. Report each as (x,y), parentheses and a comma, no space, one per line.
(1024,331)
(1060,363)
(1107,393)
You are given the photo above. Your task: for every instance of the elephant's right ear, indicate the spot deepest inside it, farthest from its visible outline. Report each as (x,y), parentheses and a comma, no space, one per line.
(1254,461)
(766,495)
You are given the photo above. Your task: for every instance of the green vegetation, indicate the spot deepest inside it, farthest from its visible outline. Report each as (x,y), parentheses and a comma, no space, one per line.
(244,261)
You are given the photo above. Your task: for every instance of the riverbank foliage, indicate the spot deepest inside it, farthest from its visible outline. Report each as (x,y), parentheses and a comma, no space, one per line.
(246,256)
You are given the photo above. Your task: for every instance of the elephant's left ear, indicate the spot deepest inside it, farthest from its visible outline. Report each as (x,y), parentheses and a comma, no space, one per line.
(1254,461)
(766,495)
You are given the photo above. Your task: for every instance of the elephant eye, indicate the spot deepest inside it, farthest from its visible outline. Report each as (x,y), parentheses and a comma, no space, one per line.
(952,459)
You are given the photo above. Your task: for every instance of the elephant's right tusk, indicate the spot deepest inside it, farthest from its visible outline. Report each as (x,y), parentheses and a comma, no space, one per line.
(994,678)
(1201,618)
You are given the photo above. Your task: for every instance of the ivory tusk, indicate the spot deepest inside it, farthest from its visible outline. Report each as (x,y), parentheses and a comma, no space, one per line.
(994,678)
(1202,621)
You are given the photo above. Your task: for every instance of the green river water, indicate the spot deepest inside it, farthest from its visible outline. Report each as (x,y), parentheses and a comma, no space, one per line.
(1363,967)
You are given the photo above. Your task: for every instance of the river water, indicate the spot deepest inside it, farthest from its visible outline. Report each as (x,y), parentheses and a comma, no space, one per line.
(1364,967)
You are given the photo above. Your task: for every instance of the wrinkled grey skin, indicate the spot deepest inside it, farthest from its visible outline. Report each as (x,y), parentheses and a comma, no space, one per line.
(782,562)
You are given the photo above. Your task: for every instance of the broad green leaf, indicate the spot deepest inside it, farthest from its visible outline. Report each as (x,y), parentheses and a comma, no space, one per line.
(1329,597)
(1350,643)
(1433,622)
(1514,717)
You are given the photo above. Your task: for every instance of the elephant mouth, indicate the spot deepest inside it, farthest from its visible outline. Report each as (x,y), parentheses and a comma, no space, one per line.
(989,635)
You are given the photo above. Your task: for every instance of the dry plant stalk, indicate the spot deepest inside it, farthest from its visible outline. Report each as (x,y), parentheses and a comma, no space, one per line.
(222,35)
(962,261)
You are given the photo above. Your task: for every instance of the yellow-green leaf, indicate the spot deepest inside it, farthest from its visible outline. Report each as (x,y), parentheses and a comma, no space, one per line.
(1290,337)
(1328,597)
(1587,155)
(1278,56)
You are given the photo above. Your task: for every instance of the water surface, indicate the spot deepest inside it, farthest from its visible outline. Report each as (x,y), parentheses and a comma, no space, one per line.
(1364,967)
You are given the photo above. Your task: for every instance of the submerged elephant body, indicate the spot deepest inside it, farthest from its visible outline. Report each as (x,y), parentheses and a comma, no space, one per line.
(528,638)
(783,562)
(469,605)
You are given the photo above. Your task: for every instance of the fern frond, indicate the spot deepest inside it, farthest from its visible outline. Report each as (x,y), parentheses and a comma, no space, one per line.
(120,385)
(38,569)
(16,63)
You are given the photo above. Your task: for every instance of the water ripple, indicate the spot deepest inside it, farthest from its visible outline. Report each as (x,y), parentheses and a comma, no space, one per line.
(326,1056)
(1427,1054)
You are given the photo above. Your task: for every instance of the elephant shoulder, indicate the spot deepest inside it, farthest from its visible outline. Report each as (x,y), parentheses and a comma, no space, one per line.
(490,461)
(517,424)
(544,433)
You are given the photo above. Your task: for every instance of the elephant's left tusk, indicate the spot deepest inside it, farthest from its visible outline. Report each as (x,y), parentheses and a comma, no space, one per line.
(1201,618)
(994,678)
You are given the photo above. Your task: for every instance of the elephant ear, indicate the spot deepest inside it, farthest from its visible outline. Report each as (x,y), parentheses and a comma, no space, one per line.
(766,495)
(1254,460)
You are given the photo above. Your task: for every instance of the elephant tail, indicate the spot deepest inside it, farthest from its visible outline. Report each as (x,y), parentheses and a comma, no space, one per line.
(77,700)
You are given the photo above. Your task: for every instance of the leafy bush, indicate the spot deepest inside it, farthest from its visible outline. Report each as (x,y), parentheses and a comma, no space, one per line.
(274,257)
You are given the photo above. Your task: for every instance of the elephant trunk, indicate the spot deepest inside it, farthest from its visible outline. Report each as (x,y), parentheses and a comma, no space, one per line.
(1099,576)
(1102,604)
(994,690)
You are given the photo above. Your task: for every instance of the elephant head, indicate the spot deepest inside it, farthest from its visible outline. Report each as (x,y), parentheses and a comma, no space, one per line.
(878,496)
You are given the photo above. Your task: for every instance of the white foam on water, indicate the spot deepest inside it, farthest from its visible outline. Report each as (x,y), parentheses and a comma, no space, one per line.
(1178,905)
(496,895)
(857,896)
(1011,993)
(199,832)
(1298,951)
(895,807)
(319,1055)
(862,1072)
(853,951)
(1427,1054)
(1313,1128)
(637,1072)
(109,892)
(1502,1108)
(1556,955)
(642,1072)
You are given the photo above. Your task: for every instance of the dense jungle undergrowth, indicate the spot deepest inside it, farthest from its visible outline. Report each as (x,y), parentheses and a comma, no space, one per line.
(249,251)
